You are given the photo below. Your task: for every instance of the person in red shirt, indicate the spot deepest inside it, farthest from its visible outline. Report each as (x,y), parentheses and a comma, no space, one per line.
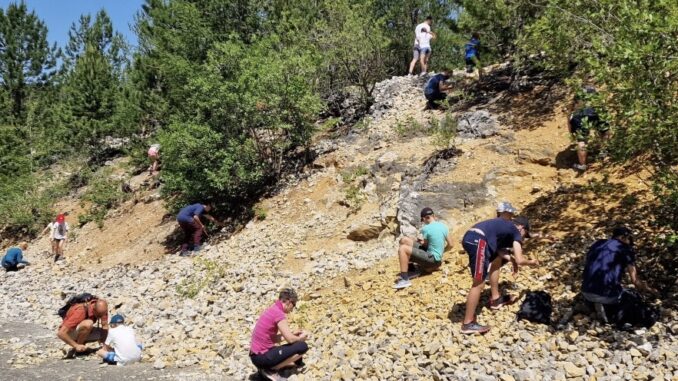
(78,328)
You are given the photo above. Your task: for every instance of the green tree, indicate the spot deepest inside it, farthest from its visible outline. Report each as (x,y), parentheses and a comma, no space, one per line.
(627,50)
(100,35)
(26,59)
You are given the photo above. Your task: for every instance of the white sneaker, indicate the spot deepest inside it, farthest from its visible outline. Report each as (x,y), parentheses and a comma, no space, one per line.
(423,74)
(402,283)
(580,167)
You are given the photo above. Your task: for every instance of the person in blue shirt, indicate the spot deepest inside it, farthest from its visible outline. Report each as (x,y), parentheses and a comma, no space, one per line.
(427,251)
(606,262)
(436,89)
(580,123)
(14,258)
(482,243)
(189,221)
(472,53)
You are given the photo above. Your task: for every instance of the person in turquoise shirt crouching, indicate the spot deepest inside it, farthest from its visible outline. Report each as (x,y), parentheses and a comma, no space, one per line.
(427,252)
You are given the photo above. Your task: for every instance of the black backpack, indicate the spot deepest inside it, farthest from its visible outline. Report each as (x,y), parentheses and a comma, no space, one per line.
(536,307)
(632,310)
(77,299)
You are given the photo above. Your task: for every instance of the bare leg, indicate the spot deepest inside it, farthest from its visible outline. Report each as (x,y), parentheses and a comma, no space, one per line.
(581,153)
(494,278)
(102,353)
(55,247)
(422,62)
(60,247)
(83,331)
(472,300)
(412,65)
(404,252)
(289,362)
(407,241)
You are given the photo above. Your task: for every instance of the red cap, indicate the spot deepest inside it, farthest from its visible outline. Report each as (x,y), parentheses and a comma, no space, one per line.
(60,218)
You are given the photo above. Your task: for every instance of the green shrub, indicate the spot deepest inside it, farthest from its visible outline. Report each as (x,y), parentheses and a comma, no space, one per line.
(210,272)
(103,193)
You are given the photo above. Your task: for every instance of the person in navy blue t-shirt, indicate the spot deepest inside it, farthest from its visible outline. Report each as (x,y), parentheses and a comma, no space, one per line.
(189,221)
(606,262)
(14,257)
(436,89)
(481,243)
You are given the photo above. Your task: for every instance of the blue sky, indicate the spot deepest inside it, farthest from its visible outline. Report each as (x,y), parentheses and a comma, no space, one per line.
(60,14)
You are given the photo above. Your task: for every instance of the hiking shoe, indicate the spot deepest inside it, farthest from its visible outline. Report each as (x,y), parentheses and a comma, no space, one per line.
(580,167)
(270,375)
(402,283)
(474,328)
(500,302)
(70,354)
(185,253)
(196,248)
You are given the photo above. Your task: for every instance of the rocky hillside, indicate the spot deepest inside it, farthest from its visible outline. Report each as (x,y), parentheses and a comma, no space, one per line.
(332,233)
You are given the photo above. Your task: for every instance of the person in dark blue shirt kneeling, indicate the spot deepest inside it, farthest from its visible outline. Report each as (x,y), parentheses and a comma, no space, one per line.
(15,258)
(436,89)
(606,262)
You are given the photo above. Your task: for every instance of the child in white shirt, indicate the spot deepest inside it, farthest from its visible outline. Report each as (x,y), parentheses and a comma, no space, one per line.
(121,345)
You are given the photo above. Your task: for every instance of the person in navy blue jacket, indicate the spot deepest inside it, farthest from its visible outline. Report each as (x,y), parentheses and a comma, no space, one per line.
(14,257)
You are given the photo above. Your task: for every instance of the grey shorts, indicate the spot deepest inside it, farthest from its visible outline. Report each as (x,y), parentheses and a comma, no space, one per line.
(417,51)
(423,257)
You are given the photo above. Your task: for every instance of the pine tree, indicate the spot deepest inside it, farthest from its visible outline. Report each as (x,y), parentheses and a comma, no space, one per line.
(26,59)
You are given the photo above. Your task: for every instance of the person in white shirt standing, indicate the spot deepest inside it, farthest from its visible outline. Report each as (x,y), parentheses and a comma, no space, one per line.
(416,50)
(121,345)
(58,235)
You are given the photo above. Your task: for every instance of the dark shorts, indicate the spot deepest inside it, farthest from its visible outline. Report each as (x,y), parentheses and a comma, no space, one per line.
(423,257)
(478,252)
(435,96)
(11,267)
(276,355)
(472,61)
(581,130)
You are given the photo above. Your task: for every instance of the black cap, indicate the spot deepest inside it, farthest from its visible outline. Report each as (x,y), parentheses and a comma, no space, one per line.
(621,231)
(426,212)
(524,222)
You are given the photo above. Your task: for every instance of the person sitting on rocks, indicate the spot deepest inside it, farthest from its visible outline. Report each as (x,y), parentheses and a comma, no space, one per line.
(58,235)
(605,264)
(265,355)
(189,221)
(481,243)
(436,89)
(78,328)
(580,123)
(427,252)
(121,345)
(14,258)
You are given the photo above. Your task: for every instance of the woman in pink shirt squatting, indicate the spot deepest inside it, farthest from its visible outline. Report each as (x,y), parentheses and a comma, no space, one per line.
(265,355)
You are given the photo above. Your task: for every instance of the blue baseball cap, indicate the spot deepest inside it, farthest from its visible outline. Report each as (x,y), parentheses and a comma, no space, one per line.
(117,319)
